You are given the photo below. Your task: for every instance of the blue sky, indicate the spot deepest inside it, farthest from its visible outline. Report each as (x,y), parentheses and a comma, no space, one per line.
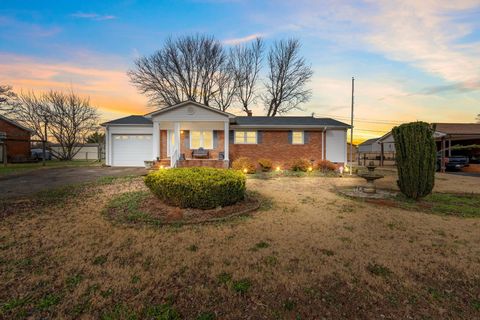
(412,60)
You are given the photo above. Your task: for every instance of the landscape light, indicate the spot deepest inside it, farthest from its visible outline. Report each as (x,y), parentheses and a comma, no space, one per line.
(245,170)
(310,169)
(278,168)
(161,167)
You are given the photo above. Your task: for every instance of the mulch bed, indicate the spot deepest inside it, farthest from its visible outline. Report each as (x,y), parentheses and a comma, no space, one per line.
(151,210)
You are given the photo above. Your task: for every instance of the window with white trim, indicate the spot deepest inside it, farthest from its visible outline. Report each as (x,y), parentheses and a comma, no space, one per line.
(201,139)
(297,137)
(245,137)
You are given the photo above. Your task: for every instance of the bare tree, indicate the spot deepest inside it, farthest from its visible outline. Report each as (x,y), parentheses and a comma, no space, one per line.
(226,86)
(247,60)
(287,77)
(68,118)
(32,111)
(183,69)
(8,99)
(71,119)
(478,118)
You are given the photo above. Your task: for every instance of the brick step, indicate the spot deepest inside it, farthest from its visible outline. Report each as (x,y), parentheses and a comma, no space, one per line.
(201,163)
(162,163)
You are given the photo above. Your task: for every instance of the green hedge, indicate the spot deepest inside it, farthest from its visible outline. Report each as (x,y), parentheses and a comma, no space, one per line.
(203,188)
(415,157)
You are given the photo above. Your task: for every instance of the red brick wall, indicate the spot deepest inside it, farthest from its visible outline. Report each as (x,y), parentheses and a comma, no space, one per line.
(16,150)
(276,147)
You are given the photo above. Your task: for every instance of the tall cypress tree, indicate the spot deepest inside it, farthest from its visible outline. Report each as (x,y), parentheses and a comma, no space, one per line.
(415,158)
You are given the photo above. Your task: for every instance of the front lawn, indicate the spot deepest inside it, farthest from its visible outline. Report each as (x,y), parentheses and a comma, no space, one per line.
(309,254)
(24,167)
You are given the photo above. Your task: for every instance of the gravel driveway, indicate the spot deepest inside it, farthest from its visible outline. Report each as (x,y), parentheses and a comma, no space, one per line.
(34,181)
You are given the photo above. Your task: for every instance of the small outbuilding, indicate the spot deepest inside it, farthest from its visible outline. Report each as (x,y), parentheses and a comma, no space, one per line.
(14,141)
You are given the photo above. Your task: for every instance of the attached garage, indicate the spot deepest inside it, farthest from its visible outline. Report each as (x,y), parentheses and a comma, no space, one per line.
(131,150)
(129,141)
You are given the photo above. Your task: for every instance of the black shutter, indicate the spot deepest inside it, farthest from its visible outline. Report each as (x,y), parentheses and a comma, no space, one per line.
(215,139)
(290,137)
(259,137)
(231,137)
(305,137)
(186,139)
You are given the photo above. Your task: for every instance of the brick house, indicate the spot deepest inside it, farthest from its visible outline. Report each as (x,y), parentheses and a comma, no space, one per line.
(171,135)
(16,139)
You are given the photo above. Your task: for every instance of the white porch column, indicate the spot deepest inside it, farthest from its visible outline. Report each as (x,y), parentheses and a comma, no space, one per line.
(107,146)
(177,136)
(226,139)
(156,140)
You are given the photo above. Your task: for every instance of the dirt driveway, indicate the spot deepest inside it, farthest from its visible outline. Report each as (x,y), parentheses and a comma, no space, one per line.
(34,181)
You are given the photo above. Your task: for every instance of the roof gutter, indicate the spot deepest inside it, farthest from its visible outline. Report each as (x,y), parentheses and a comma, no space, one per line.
(320,127)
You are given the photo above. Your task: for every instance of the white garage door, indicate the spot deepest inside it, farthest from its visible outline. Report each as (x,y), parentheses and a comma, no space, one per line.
(130,150)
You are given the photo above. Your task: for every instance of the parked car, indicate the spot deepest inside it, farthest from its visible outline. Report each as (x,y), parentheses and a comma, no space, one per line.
(452,163)
(37,154)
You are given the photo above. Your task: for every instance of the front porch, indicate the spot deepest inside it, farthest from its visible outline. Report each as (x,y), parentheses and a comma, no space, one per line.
(177,144)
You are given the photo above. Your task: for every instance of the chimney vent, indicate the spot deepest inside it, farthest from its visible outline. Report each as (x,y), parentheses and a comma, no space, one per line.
(249,113)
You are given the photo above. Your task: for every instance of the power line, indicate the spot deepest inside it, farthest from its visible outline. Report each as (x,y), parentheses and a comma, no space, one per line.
(380,121)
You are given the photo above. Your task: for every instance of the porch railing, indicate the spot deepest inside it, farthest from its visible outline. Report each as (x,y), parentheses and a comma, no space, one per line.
(174,156)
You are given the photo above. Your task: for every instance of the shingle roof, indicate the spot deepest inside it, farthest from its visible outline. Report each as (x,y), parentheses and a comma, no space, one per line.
(458,128)
(369,142)
(287,121)
(248,121)
(16,124)
(134,119)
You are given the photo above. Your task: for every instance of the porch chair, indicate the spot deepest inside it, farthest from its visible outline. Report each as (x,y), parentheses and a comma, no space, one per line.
(200,153)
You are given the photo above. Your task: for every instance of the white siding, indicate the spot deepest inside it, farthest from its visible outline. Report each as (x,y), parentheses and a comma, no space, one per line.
(336,146)
(189,112)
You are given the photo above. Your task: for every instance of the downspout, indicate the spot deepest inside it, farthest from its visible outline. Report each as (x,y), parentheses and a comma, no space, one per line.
(324,144)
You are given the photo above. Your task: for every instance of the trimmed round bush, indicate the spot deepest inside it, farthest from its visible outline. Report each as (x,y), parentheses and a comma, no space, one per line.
(203,188)
(300,165)
(243,163)
(265,164)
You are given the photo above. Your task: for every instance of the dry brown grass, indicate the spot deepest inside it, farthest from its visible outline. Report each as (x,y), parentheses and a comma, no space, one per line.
(313,254)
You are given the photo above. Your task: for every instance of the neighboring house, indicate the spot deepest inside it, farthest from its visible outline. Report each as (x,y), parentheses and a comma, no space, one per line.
(369,146)
(15,138)
(171,135)
(449,137)
(87,151)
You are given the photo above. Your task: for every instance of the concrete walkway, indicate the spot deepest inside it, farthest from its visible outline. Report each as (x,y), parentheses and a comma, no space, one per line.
(31,182)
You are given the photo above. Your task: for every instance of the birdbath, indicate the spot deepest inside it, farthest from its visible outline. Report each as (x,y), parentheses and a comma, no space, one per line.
(370,176)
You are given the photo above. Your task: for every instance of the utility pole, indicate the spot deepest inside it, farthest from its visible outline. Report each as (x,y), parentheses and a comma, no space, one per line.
(351,129)
(44,142)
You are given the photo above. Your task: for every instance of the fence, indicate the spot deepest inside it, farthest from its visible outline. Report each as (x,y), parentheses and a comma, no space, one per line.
(91,151)
(376,157)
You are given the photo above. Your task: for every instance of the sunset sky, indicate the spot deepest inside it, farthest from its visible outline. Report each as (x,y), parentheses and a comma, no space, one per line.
(412,60)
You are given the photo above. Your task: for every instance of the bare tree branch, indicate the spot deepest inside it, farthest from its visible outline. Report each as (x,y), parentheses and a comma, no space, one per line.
(8,99)
(183,69)
(69,118)
(226,85)
(247,64)
(287,77)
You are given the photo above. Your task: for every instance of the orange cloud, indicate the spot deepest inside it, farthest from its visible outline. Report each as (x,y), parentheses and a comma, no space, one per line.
(108,89)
